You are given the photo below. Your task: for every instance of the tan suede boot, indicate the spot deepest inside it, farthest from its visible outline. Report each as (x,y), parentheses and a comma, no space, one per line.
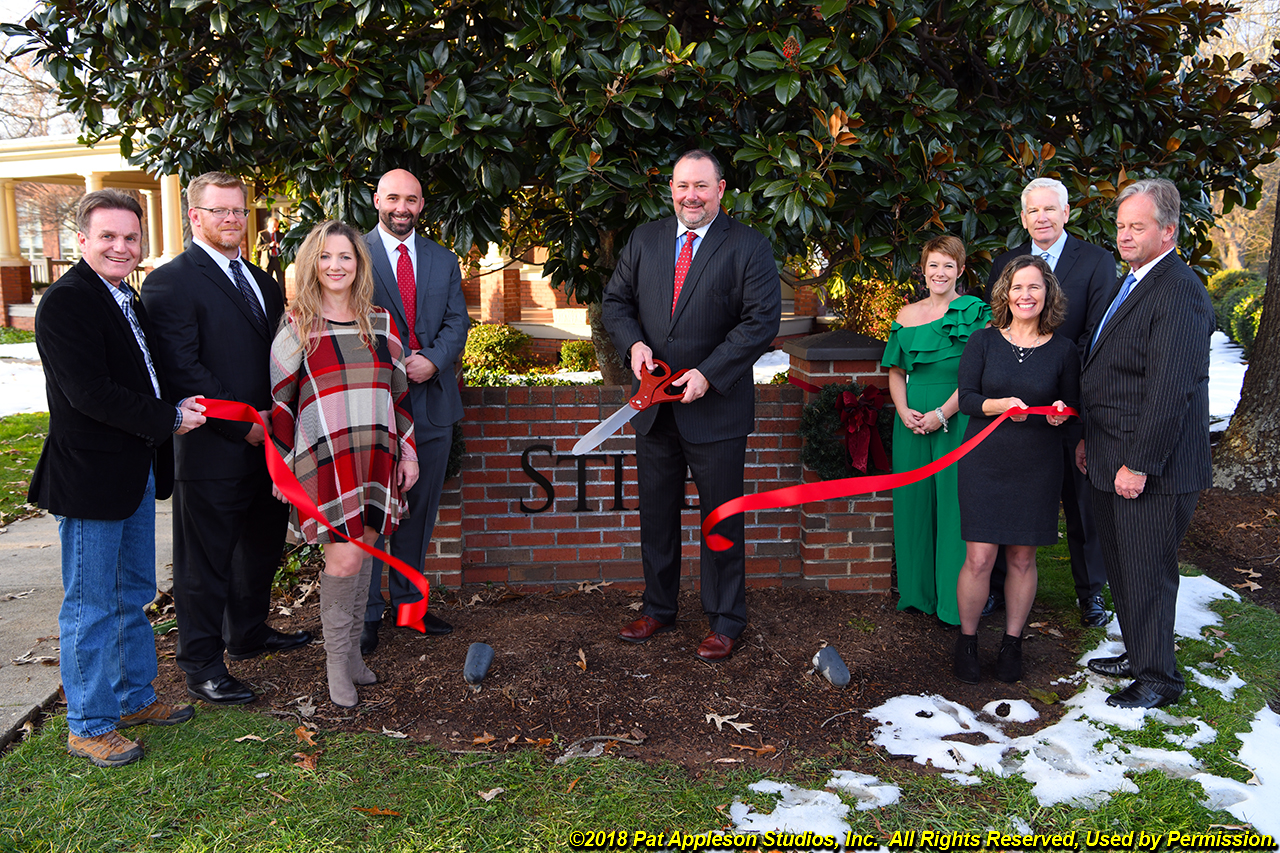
(356,668)
(335,620)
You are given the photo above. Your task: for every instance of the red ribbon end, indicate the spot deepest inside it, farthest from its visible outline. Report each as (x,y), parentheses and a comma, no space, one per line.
(716,542)
(410,616)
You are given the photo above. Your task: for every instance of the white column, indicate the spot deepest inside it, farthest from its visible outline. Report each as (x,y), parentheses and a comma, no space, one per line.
(171,214)
(155,228)
(93,181)
(9,252)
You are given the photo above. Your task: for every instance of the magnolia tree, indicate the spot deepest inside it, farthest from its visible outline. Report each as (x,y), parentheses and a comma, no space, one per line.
(850,131)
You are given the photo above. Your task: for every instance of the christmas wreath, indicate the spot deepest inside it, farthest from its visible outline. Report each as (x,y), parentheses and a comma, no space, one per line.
(847,431)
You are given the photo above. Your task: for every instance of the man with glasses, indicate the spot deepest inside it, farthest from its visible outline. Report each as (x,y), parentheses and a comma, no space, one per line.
(215,316)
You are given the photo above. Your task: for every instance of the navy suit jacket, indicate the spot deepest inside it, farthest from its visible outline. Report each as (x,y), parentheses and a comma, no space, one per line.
(107,427)
(727,317)
(210,344)
(1087,274)
(1145,384)
(440,323)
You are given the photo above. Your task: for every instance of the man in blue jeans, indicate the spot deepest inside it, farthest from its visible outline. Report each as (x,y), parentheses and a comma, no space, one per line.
(107,456)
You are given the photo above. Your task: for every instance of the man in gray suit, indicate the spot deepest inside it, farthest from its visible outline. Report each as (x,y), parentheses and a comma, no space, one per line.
(699,291)
(1087,274)
(418,281)
(1145,390)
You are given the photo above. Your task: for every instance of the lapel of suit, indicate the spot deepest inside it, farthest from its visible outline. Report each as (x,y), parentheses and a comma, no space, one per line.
(222,281)
(98,291)
(423,271)
(1141,292)
(384,279)
(1067,260)
(714,238)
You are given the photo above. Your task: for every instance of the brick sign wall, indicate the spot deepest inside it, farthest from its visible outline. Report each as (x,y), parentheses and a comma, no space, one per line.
(525,511)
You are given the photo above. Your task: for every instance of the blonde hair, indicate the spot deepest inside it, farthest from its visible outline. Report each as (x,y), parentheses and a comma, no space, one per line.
(305,309)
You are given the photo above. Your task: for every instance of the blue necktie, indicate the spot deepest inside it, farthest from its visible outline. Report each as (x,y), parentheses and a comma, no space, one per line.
(1129,282)
(242,284)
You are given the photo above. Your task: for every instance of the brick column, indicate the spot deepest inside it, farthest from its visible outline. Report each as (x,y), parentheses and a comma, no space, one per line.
(500,296)
(807,302)
(844,544)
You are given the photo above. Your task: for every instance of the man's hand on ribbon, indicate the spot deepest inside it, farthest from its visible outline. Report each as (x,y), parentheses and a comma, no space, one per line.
(256,434)
(192,414)
(641,359)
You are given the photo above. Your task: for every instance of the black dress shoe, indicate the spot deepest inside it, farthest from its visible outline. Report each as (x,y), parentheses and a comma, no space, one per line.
(369,636)
(1093,612)
(1116,667)
(435,626)
(995,601)
(222,690)
(1139,695)
(276,641)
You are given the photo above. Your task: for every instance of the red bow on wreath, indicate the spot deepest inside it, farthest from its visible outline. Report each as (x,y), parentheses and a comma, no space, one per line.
(859,415)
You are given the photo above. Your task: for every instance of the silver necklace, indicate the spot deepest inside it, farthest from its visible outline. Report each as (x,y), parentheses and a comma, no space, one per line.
(1022,353)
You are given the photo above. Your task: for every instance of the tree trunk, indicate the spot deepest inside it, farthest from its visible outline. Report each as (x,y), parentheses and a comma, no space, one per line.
(612,369)
(1248,456)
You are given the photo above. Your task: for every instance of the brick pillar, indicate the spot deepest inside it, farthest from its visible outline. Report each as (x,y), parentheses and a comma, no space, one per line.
(500,296)
(845,544)
(807,302)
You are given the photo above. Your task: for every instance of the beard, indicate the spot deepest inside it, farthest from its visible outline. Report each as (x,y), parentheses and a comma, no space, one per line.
(399,229)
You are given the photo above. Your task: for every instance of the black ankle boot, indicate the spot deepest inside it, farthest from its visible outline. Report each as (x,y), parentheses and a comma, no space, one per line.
(1009,664)
(966,666)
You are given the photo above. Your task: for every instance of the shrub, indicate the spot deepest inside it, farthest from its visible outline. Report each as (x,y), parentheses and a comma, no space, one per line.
(1222,282)
(497,348)
(578,356)
(1224,308)
(1244,320)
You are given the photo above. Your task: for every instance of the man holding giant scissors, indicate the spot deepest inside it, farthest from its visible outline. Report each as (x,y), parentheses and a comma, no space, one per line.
(699,291)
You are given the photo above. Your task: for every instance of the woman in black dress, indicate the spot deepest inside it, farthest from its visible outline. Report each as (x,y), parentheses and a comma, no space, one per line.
(1009,484)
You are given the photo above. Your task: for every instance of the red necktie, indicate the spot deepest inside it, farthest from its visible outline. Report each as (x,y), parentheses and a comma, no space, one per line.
(408,293)
(682,266)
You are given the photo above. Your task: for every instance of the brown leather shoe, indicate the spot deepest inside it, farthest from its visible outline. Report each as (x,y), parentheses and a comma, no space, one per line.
(158,714)
(109,749)
(642,629)
(716,647)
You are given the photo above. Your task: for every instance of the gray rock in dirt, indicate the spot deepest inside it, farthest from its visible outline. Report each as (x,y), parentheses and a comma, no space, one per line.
(828,662)
(479,659)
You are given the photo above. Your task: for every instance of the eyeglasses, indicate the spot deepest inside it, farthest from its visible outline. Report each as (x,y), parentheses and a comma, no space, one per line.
(221,212)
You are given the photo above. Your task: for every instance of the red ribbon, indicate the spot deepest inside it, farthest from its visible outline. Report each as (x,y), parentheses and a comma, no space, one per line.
(850,486)
(407,615)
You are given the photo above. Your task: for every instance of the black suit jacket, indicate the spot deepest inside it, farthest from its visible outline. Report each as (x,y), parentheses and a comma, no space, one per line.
(1145,384)
(209,344)
(1087,274)
(440,323)
(107,427)
(728,315)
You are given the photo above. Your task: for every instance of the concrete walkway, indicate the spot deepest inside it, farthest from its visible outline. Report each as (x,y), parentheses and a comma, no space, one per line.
(30,597)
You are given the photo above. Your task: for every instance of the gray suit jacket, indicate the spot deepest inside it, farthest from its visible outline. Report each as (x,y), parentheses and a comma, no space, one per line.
(728,315)
(441,326)
(1145,384)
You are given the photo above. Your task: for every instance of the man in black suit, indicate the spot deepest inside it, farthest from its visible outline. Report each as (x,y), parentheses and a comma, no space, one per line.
(1087,274)
(419,282)
(268,243)
(215,316)
(699,291)
(106,459)
(1145,389)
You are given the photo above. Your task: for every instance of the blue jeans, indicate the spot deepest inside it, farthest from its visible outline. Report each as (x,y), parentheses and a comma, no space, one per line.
(108,647)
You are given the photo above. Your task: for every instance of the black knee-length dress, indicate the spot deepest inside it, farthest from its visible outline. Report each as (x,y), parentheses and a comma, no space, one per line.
(1011,482)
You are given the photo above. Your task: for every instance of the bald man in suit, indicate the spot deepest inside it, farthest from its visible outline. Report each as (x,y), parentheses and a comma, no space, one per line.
(700,291)
(419,282)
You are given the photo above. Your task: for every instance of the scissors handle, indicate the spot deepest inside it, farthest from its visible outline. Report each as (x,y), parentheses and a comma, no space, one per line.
(656,387)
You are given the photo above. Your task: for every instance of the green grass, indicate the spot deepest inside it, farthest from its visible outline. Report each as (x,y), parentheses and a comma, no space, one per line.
(199,790)
(10,335)
(21,437)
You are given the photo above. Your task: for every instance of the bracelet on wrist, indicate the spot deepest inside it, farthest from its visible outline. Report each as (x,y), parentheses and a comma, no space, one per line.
(942,419)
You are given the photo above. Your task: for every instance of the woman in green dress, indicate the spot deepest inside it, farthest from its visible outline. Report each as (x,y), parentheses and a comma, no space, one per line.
(923,357)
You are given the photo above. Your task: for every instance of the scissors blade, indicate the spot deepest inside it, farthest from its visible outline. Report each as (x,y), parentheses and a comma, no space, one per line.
(603,430)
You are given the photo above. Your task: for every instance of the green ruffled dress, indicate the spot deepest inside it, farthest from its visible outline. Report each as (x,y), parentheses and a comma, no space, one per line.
(926,515)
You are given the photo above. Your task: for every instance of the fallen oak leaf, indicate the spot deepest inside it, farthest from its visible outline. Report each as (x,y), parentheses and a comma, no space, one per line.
(742,727)
(1250,585)
(592,586)
(569,790)
(582,660)
(1249,573)
(483,739)
(390,733)
(636,606)
(720,721)
(375,810)
(758,750)
(490,794)
(475,599)
(305,735)
(1219,654)
(306,762)
(542,741)
(244,738)
(1216,632)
